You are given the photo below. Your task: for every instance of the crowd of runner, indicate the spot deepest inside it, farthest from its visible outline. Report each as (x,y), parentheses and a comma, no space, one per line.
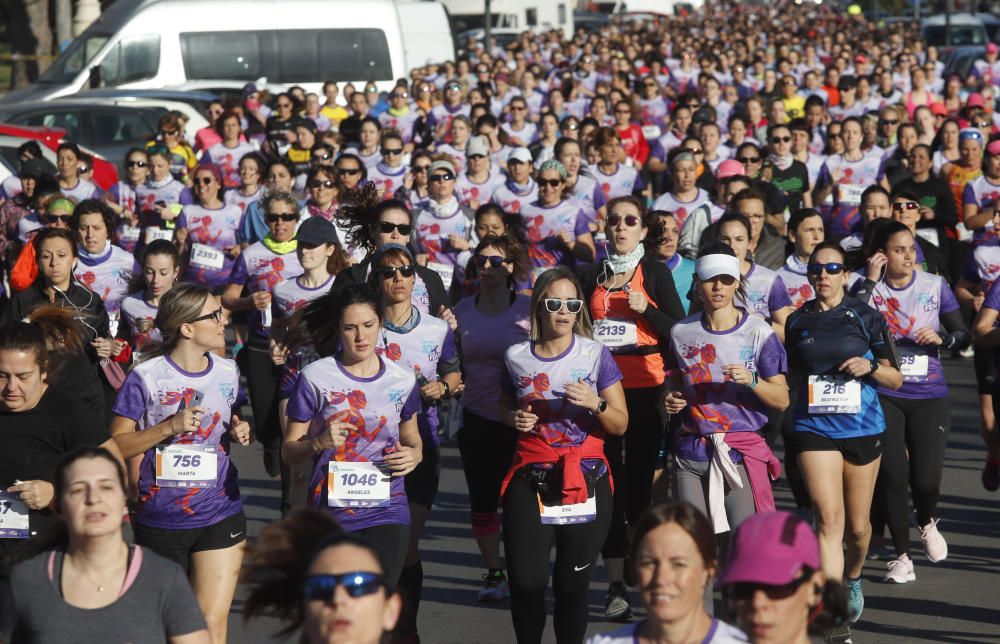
(618,270)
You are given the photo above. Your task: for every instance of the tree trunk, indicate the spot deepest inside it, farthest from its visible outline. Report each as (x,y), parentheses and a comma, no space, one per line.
(64,23)
(30,36)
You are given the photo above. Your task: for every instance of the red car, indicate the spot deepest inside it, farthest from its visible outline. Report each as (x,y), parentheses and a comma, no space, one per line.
(11,136)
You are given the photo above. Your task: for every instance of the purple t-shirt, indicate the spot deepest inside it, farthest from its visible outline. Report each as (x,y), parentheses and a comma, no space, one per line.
(375,406)
(108,275)
(211,233)
(766,292)
(260,269)
(917,305)
(715,402)
(157,389)
(513,197)
(483,341)
(419,350)
(543,225)
(139,316)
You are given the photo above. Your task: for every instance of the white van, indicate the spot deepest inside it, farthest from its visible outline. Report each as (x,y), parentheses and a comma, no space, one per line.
(165,43)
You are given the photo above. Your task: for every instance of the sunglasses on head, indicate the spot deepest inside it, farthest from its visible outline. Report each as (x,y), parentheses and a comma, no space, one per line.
(554,305)
(831,268)
(905,205)
(745,591)
(357,584)
(781,139)
(137,164)
(630,220)
(349,171)
(282,216)
(54,218)
(434,178)
(215,316)
(493,260)
(391,151)
(551,183)
(389,272)
(321,183)
(387,227)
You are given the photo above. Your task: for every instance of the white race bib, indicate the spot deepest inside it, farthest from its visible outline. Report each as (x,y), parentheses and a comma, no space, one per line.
(446,271)
(356,485)
(154,232)
(566,514)
(186,466)
(913,365)
(651,132)
(13,517)
(615,333)
(850,193)
(130,233)
(207,257)
(834,395)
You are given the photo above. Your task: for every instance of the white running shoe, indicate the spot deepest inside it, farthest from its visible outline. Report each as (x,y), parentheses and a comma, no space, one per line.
(935,547)
(900,571)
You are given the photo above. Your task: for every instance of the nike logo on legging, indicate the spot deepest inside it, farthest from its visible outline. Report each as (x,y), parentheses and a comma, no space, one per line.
(579,568)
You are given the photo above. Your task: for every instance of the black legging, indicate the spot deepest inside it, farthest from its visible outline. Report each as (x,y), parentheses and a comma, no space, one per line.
(487,448)
(919,427)
(390,542)
(633,471)
(262,384)
(527,543)
(792,471)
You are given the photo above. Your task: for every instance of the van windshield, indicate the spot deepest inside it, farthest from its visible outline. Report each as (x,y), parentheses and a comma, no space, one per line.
(75,59)
(960,35)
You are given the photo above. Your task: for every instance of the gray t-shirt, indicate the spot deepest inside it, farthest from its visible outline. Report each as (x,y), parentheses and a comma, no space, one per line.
(157,605)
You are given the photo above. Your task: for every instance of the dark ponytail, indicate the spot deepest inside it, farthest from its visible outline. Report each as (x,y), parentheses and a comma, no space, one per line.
(318,323)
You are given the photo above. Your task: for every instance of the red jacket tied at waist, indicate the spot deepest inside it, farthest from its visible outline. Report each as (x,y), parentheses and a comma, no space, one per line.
(533,450)
(760,463)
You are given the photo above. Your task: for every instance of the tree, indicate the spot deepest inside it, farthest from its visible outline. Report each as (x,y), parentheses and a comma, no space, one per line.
(30,36)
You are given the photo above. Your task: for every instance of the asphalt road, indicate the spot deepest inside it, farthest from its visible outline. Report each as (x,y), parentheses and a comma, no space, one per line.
(957,600)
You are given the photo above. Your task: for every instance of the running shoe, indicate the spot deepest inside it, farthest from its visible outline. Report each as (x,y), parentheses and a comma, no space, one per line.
(616,604)
(838,635)
(494,588)
(991,476)
(935,547)
(900,571)
(855,599)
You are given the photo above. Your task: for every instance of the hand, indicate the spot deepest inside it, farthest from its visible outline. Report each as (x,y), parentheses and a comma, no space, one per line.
(738,374)
(448,316)
(118,346)
(857,367)
(239,431)
(926,212)
(567,239)
(433,390)
(186,421)
(103,347)
(637,301)
(421,259)
(166,213)
(977,301)
(524,420)
(583,395)
(458,242)
(279,352)
(408,180)
(261,300)
(927,335)
(474,204)
(404,460)
(876,265)
(334,437)
(37,495)
(234,251)
(674,402)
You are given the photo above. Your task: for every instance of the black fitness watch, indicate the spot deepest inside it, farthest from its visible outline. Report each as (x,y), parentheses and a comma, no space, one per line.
(874,364)
(602,406)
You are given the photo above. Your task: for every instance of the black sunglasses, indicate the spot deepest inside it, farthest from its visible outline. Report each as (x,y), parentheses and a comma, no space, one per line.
(205,181)
(284,216)
(831,268)
(321,183)
(492,260)
(389,272)
(137,164)
(552,183)
(434,178)
(694,151)
(630,220)
(419,169)
(393,151)
(781,139)
(905,205)
(54,218)
(349,171)
(745,591)
(357,584)
(554,305)
(322,156)
(215,315)
(889,122)
(746,160)
(387,227)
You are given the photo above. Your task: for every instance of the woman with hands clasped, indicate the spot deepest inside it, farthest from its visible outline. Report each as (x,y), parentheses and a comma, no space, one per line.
(916,305)
(354,414)
(175,409)
(562,392)
(727,371)
(840,352)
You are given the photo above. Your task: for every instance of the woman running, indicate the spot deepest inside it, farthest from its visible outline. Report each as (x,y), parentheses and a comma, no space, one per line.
(176,410)
(562,392)
(207,228)
(160,268)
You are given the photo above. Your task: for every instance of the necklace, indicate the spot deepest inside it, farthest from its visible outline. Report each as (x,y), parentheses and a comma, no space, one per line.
(99,586)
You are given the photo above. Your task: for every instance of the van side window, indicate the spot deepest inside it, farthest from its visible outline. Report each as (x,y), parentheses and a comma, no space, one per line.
(287,56)
(131,60)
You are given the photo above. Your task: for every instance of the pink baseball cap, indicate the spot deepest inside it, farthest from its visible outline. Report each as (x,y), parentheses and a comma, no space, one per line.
(771,548)
(993,149)
(975,100)
(939,109)
(730,168)
(992,48)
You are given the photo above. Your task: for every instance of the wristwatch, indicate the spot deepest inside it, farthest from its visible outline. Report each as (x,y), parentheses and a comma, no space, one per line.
(447,389)
(602,406)
(874,364)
